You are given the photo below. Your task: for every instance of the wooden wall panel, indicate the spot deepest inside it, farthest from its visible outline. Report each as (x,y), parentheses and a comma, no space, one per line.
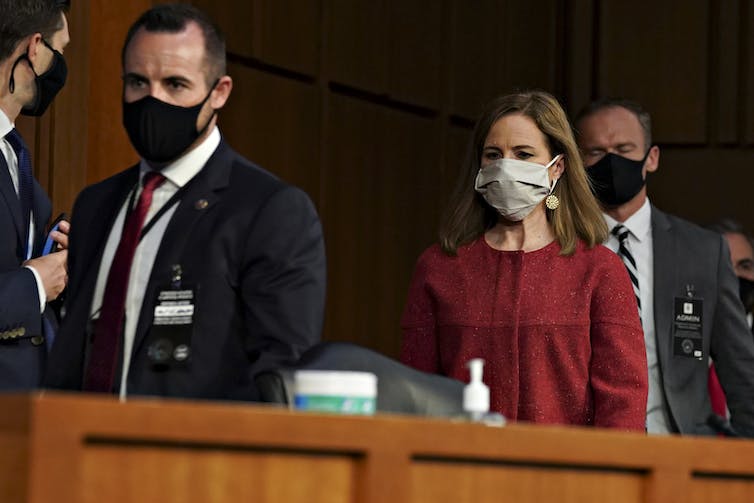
(284,33)
(725,82)
(381,188)
(237,20)
(110,150)
(456,147)
(356,48)
(747,62)
(272,121)
(477,55)
(501,47)
(69,139)
(704,185)
(289,34)
(415,74)
(579,54)
(657,53)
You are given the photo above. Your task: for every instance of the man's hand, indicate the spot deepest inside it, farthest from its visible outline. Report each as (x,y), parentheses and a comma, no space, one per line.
(60,236)
(53,271)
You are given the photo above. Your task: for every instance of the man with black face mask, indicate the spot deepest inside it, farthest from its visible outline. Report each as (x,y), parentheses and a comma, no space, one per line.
(195,269)
(33,34)
(740,244)
(742,258)
(682,275)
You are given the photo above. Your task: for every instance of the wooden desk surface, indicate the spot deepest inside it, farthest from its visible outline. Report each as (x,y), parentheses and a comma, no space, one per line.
(86,448)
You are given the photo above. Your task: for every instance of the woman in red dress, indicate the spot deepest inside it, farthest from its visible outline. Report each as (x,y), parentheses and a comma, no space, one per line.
(520,279)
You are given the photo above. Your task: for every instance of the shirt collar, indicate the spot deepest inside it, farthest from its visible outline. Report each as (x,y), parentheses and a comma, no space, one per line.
(186,167)
(639,224)
(5,124)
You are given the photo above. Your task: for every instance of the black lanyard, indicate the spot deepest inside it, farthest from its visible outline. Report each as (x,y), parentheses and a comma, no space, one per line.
(165,207)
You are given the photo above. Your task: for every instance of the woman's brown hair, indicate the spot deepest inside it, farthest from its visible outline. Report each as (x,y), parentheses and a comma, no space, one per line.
(578,217)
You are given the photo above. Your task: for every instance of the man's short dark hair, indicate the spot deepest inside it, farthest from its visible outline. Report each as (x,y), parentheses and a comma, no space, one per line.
(641,114)
(731,226)
(173,18)
(22,18)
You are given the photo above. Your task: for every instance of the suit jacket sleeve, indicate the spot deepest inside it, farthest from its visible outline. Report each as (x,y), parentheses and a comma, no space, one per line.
(284,280)
(19,301)
(732,347)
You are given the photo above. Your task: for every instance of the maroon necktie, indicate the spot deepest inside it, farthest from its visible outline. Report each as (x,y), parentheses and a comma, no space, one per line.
(108,330)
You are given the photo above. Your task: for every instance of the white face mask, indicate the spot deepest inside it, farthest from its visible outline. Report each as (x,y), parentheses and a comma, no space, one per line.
(513,187)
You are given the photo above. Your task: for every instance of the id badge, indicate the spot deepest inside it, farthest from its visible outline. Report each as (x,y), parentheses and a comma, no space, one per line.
(172,326)
(687,327)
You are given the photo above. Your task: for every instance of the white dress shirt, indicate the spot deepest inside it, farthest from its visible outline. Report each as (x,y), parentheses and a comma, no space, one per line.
(178,173)
(6,126)
(640,245)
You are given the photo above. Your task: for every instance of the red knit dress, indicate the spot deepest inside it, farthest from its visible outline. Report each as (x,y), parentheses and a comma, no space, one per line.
(560,336)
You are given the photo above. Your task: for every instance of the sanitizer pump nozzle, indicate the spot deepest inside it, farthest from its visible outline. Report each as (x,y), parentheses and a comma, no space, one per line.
(476,394)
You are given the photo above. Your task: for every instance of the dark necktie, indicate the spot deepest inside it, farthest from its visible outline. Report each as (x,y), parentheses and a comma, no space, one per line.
(25,184)
(108,331)
(628,260)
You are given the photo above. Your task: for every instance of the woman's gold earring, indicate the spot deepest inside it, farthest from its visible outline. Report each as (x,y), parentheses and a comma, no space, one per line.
(552,202)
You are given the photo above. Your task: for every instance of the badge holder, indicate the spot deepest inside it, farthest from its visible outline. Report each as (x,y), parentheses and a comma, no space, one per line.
(687,326)
(172,325)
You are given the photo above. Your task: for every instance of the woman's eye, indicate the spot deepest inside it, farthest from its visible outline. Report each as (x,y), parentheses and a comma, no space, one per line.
(492,156)
(524,155)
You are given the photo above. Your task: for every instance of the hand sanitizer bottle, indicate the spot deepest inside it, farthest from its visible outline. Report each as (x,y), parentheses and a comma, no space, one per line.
(476,394)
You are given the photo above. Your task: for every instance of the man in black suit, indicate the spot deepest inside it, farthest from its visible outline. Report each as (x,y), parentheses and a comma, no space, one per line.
(689,302)
(33,34)
(195,269)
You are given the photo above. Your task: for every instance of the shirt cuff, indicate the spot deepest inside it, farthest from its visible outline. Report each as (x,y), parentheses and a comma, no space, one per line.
(40,289)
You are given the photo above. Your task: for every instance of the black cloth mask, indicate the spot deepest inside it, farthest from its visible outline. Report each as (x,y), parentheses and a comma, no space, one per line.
(48,84)
(746,291)
(161,132)
(615,179)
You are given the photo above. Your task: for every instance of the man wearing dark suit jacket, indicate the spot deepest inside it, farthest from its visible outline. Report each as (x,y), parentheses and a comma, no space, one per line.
(684,280)
(195,269)
(33,34)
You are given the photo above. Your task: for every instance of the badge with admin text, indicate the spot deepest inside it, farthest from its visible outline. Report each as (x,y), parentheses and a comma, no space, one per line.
(170,337)
(687,327)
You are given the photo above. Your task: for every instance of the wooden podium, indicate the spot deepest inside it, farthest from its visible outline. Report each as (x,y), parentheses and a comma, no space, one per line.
(81,448)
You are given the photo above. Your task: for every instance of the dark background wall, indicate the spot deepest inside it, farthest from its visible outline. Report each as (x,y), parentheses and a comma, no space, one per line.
(368,105)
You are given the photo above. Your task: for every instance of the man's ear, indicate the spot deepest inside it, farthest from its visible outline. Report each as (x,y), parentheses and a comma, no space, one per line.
(32,50)
(221,92)
(653,159)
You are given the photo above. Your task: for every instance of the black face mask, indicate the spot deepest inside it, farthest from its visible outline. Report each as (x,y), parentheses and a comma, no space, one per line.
(48,84)
(746,291)
(616,180)
(161,132)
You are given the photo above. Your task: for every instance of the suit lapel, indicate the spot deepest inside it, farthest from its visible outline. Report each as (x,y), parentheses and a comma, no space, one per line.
(201,195)
(8,193)
(665,272)
(102,214)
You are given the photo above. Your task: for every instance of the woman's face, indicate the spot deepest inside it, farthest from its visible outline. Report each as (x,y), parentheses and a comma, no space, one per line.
(515,136)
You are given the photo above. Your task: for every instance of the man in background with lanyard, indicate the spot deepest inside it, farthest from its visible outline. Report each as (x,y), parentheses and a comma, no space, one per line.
(33,34)
(682,275)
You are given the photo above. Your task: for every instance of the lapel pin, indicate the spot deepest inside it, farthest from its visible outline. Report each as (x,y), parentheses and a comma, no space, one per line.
(201,204)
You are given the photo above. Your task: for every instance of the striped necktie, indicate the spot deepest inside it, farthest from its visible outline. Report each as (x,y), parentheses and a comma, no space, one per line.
(620,232)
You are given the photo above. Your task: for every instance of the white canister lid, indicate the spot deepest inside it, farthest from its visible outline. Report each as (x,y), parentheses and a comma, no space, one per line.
(335,383)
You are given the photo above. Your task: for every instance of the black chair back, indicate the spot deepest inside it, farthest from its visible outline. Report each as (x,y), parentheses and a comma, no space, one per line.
(400,389)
